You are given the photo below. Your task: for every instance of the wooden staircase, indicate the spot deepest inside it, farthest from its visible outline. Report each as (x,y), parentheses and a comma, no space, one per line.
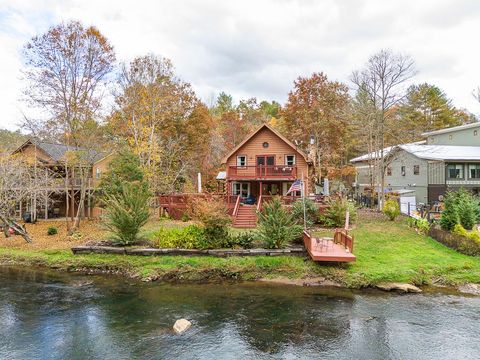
(245,217)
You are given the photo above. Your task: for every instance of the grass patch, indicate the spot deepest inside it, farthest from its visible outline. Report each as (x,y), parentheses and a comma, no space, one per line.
(385,250)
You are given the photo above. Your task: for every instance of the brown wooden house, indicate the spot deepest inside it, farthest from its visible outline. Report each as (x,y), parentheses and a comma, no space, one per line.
(263,165)
(52,202)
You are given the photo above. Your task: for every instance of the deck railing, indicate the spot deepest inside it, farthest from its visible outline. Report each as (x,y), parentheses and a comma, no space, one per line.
(263,172)
(342,238)
(287,200)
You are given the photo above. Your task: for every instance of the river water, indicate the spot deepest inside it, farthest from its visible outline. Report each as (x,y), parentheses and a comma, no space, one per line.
(47,315)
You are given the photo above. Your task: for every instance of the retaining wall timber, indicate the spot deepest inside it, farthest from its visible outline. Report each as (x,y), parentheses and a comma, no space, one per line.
(78,250)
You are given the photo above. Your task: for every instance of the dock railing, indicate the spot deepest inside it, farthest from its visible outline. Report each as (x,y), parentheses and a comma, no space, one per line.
(342,238)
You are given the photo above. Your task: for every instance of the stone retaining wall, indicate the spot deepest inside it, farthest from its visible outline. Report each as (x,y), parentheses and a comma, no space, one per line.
(297,251)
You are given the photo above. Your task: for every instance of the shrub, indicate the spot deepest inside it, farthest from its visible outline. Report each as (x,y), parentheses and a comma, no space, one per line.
(127,211)
(391,209)
(461,207)
(459,230)
(311,212)
(189,237)
(276,226)
(411,222)
(422,225)
(212,214)
(124,167)
(450,214)
(52,230)
(467,208)
(244,240)
(334,215)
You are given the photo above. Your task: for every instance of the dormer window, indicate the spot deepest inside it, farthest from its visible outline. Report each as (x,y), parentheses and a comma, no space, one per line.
(290,160)
(242,160)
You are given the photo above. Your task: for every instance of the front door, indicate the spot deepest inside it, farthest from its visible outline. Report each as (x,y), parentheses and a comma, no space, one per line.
(265,164)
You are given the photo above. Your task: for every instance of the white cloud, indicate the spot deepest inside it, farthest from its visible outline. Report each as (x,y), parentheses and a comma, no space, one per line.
(257,48)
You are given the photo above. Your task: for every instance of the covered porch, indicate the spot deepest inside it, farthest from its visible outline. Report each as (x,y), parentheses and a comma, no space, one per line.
(256,192)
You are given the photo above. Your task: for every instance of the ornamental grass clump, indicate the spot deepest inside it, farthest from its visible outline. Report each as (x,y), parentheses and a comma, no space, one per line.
(276,226)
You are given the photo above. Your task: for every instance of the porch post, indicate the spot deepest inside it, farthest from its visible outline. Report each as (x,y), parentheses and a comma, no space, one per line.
(260,191)
(228,192)
(46,204)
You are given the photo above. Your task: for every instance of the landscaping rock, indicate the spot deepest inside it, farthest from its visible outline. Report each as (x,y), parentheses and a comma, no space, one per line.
(400,287)
(473,289)
(81,249)
(144,252)
(181,326)
(107,250)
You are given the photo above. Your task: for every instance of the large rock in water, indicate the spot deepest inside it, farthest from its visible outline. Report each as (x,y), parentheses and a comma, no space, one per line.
(181,326)
(405,288)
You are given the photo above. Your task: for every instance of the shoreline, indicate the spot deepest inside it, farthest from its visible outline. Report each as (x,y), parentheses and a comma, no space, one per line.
(183,270)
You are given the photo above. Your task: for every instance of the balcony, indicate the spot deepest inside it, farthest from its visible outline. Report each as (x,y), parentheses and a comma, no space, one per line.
(262,172)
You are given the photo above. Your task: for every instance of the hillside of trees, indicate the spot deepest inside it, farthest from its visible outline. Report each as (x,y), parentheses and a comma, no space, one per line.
(159,117)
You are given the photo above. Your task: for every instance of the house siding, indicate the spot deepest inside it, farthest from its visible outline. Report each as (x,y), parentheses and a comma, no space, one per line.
(462,137)
(409,181)
(436,173)
(277,147)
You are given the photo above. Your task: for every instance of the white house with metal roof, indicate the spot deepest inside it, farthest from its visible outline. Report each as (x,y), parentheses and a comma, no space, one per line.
(447,159)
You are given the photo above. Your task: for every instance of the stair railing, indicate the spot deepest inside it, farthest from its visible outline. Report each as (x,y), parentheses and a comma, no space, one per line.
(259,203)
(237,205)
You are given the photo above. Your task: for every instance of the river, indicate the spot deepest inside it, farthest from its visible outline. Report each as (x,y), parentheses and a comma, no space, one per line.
(48,315)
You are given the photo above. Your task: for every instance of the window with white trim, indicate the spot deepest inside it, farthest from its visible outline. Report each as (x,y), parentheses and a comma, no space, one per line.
(416,169)
(241,160)
(240,188)
(290,160)
(474,171)
(98,173)
(455,171)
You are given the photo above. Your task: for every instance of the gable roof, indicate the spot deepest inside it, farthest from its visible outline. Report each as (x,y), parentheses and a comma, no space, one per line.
(452,129)
(288,142)
(55,151)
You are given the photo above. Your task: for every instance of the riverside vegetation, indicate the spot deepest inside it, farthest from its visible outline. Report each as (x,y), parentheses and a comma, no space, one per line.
(386,252)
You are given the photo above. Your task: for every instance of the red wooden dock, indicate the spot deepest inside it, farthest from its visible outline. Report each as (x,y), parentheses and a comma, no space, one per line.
(337,249)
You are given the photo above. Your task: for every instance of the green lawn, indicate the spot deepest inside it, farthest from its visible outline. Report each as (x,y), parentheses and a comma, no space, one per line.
(386,251)
(391,251)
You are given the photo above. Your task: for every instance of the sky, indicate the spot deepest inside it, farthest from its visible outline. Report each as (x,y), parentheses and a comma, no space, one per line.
(258,48)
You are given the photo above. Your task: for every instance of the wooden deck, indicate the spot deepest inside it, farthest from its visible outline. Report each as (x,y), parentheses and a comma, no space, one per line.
(336,249)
